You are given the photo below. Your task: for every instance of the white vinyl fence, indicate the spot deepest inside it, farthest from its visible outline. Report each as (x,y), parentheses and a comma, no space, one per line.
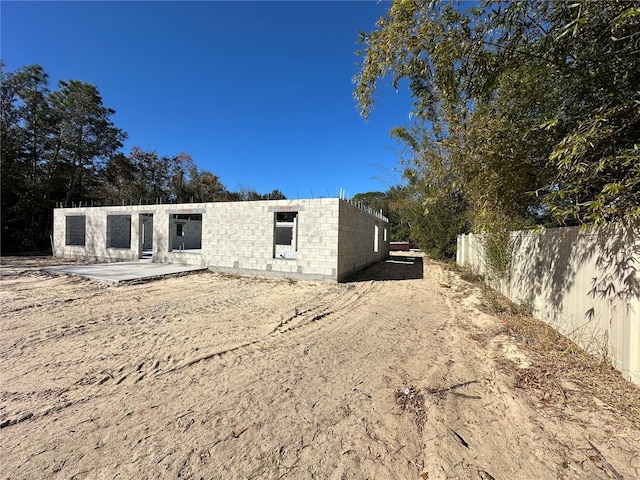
(584,283)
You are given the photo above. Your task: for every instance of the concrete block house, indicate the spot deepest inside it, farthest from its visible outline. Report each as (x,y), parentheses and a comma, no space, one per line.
(324,239)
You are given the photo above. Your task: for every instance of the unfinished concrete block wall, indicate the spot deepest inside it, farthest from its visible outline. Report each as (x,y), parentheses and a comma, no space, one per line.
(76,233)
(318,237)
(105,232)
(363,239)
(242,236)
(292,238)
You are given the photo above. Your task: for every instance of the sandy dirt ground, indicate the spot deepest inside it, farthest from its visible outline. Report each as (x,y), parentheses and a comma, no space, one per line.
(396,374)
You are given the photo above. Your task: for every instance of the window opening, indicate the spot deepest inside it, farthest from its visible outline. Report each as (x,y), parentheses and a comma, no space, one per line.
(375,238)
(118,231)
(186,232)
(75,227)
(285,235)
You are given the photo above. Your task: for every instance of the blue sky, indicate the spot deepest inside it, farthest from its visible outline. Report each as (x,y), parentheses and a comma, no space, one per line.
(259,93)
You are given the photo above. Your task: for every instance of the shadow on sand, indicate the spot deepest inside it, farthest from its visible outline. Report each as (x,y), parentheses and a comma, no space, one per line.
(395,267)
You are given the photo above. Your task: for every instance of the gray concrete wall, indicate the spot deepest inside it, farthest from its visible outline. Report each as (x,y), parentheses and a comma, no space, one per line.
(239,236)
(362,239)
(96,245)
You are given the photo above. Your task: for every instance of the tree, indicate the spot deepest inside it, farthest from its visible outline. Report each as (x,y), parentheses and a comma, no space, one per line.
(204,186)
(12,165)
(54,145)
(433,206)
(84,138)
(119,179)
(403,210)
(392,206)
(427,221)
(275,194)
(598,159)
(376,201)
(245,194)
(526,108)
(153,176)
(63,147)
(26,140)
(180,168)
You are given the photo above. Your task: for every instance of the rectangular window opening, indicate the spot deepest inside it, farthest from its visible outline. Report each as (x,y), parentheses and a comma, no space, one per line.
(118,231)
(75,229)
(285,235)
(376,234)
(186,232)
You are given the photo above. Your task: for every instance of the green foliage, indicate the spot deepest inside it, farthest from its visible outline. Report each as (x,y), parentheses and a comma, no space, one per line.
(390,203)
(498,249)
(437,210)
(382,201)
(430,223)
(531,110)
(52,147)
(83,137)
(26,131)
(144,177)
(436,223)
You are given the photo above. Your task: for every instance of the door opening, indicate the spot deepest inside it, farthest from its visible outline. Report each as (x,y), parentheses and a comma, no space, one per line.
(146,236)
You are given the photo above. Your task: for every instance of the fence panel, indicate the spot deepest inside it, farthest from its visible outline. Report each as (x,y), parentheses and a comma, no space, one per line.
(584,283)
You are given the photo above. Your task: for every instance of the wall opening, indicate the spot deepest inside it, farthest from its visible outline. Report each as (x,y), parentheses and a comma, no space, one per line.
(285,235)
(376,234)
(146,236)
(185,232)
(118,231)
(75,230)
(384,235)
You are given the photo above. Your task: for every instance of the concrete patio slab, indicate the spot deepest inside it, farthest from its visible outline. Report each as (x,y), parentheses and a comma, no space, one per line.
(122,271)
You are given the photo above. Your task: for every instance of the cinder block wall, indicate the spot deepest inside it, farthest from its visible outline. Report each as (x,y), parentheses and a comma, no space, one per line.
(358,239)
(240,236)
(237,236)
(96,234)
